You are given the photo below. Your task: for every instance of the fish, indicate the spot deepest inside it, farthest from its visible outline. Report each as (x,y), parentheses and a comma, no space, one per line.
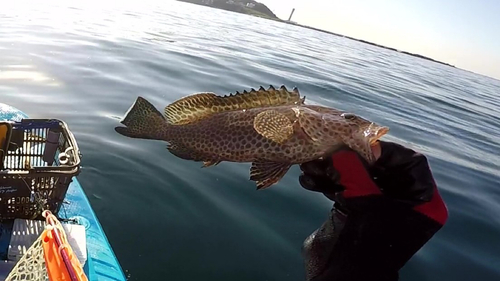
(271,128)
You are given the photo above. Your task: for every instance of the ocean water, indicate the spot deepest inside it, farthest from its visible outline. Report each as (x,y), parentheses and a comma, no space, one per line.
(165,217)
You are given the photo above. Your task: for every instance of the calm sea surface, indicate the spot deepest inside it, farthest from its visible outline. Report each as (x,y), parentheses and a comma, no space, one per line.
(168,219)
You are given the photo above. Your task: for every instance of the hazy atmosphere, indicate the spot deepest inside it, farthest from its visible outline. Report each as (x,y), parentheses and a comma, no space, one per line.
(463,33)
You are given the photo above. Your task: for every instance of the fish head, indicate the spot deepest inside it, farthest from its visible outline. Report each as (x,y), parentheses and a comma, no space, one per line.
(362,134)
(331,129)
(364,129)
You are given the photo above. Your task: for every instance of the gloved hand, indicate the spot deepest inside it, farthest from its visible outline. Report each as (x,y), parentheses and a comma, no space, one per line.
(383,214)
(399,173)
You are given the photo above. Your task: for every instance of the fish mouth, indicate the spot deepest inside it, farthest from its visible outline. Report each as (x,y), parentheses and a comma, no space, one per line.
(380,132)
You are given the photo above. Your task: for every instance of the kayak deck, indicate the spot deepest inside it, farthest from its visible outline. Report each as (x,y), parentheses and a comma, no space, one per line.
(101,263)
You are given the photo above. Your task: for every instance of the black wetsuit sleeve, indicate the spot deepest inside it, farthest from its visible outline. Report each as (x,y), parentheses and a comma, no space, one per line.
(374,242)
(382,227)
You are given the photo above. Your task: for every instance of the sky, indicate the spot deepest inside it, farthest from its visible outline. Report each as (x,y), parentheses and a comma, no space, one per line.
(464,33)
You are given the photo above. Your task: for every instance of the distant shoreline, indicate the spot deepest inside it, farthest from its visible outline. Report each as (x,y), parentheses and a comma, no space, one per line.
(370,43)
(253,8)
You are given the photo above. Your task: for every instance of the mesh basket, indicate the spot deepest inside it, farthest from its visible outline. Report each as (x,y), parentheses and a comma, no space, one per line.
(41,159)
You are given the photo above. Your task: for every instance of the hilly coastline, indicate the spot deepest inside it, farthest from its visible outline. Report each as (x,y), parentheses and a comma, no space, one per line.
(248,7)
(257,9)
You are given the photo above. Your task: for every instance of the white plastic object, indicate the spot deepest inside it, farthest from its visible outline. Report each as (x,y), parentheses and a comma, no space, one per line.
(65,157)
(25,232)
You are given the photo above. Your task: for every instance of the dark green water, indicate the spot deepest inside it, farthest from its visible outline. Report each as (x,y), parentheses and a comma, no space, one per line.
(168,219)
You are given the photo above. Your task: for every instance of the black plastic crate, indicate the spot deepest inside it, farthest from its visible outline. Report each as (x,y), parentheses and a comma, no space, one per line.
(41,159)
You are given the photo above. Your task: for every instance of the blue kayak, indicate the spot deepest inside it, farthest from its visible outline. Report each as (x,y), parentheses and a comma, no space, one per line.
(101,263)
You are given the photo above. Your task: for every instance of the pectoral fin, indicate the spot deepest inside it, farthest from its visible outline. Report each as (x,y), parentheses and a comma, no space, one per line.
(273,125)
(266,174)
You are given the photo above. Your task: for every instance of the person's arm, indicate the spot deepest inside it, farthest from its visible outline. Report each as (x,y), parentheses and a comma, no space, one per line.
(393,208)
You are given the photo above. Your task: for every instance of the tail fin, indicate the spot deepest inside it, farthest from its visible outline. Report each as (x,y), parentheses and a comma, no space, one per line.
(143,121)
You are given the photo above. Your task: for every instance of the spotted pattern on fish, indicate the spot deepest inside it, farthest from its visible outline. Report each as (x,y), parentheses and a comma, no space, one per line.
(195,107)
(271,136)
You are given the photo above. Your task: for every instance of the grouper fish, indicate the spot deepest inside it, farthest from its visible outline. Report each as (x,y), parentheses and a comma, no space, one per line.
(273,129)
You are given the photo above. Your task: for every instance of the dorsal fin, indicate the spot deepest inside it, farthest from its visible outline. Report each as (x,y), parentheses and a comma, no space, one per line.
(195,107)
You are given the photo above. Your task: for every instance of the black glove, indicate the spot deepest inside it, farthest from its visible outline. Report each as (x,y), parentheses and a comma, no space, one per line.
(399,173)
(383,214)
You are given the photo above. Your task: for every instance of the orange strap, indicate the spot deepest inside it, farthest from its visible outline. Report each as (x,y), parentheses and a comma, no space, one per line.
(56,268)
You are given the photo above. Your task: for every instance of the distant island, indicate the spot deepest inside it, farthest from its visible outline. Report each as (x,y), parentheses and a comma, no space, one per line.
(248,7)
(257,9)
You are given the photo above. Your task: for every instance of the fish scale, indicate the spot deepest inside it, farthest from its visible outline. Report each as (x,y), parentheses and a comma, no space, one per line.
(272,129)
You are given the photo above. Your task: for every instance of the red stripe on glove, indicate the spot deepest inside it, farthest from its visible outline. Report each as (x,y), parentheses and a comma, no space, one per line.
(353,175)
(435,209)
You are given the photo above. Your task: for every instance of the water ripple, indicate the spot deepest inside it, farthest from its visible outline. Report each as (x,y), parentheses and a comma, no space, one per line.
(87,63)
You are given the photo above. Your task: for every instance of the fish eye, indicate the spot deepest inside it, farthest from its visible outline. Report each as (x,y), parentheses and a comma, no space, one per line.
(348,116)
